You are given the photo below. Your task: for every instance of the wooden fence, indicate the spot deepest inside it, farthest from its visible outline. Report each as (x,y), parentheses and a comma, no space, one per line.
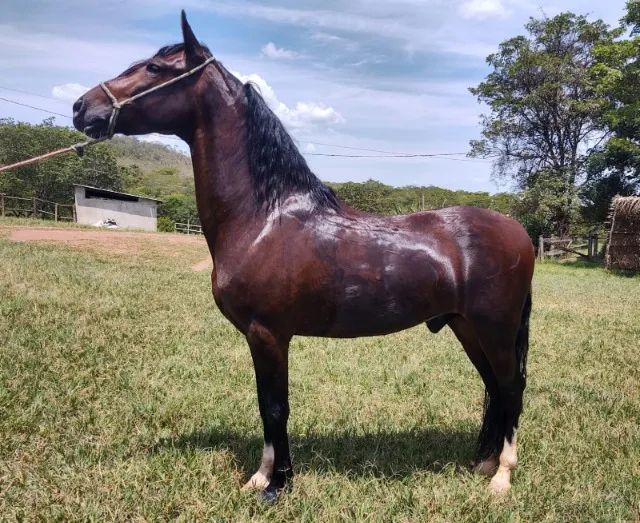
(36,208)
(584,247)
(188,228)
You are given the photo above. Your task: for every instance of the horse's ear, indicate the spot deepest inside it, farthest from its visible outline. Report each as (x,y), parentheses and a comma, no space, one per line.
(192,49)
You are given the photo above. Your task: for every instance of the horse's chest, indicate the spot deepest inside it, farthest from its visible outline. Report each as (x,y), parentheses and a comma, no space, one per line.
(238,288)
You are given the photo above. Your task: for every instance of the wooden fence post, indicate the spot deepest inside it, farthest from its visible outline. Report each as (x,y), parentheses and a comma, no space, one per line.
(188,227)
(35,207)
(55,212)
(75,218)
(2,203)
(540,248)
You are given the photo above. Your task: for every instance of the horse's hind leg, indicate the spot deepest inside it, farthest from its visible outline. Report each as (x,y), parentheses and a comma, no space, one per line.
(505,344)
(491,433)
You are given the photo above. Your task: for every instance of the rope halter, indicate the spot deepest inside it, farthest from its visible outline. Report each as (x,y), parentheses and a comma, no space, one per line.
(119,105)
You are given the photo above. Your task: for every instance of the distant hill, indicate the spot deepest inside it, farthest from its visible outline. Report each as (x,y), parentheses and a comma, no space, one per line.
(150,156)
(163,170)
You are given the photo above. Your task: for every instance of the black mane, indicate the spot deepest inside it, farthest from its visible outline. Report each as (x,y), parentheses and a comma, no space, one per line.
(163,52)
(277,167)
(168,50)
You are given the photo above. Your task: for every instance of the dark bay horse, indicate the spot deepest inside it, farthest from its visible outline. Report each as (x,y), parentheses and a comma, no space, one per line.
(291,259)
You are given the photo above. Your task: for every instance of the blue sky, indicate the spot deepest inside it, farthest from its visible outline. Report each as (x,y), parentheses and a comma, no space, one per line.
(370,74)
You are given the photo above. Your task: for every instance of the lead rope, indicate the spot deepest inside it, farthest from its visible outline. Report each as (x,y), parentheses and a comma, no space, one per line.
(115,111)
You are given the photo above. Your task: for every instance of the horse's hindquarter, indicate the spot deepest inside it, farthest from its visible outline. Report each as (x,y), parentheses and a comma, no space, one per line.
(496,260)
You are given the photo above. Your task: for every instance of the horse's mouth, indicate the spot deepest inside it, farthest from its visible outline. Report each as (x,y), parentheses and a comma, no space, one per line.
(96,129)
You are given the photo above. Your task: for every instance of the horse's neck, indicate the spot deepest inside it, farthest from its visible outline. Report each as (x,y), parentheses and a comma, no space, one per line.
(221,172)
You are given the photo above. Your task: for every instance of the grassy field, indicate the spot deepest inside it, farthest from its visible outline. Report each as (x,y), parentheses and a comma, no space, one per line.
(125,395)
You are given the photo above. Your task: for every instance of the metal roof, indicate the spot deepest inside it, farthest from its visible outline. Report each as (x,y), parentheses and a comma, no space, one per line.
(109,191)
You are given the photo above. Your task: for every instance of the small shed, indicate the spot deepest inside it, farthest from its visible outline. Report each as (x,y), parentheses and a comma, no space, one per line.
(623,247)
(103,207)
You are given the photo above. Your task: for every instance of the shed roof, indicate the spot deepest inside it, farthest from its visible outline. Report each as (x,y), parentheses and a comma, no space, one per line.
(109,192)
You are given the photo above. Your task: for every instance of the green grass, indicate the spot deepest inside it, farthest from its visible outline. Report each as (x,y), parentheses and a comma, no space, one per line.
(10,221)
(125,395)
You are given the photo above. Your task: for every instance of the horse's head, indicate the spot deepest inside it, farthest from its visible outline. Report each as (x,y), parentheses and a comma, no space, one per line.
(172,109)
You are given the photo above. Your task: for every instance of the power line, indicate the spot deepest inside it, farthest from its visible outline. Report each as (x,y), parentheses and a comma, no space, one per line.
(386,154)
(376,150)
(34,107)
(29,93)
(437,156)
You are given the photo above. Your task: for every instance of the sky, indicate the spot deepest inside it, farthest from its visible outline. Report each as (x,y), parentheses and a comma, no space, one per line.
(345,77)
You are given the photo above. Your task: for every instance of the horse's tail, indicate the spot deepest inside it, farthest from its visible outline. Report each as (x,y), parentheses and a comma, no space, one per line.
(522,342)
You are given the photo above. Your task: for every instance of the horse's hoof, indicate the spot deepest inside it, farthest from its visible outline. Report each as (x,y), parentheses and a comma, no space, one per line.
(270,496)
(257,482)
(499,486)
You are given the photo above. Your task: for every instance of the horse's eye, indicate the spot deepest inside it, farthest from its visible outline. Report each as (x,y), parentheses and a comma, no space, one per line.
(153,68)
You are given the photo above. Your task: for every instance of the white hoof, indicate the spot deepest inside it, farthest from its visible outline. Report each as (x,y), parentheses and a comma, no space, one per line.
(500,484)
(257,482)
(260,479)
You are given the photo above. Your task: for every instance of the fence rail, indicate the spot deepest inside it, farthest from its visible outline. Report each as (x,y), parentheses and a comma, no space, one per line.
(19,206)
(188,228)
(585,247)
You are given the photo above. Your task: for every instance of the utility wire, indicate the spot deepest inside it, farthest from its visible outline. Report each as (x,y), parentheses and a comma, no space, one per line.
(34,107)
(29,93)
(377,150)
(440,156)
(387,154)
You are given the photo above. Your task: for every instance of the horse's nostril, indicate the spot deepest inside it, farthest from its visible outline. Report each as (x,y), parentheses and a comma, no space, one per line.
(77,107)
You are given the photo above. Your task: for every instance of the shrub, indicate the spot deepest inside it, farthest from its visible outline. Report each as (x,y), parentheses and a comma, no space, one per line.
(166,224)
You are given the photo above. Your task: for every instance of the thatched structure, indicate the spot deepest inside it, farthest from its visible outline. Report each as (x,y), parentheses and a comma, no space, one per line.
(623,247)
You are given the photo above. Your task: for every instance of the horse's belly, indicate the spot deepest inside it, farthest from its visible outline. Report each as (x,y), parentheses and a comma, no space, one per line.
(363,308)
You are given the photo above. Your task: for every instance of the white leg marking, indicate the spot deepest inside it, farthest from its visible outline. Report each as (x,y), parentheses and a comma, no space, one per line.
(501,482)
(260,479)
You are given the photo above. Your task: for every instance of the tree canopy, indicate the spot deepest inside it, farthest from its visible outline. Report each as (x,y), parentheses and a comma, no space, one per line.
(613,166)
(546,112)
(52,180)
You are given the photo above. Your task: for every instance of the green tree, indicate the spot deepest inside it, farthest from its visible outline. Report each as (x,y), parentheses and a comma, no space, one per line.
(542,205)
(52,179)
(614,165)
(370,196)
(180,208)
(544,107)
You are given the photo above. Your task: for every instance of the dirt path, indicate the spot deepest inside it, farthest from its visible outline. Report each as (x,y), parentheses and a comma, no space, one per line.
(203,265)
(191,250)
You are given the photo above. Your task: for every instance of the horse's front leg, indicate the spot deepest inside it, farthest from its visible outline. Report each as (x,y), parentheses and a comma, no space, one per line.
(270,361)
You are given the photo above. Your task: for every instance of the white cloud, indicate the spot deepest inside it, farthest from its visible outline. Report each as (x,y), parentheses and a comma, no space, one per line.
(270,50)
(68,92)
(303,115)
(309,148)
(327,37)
(51,52)
(483,9)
